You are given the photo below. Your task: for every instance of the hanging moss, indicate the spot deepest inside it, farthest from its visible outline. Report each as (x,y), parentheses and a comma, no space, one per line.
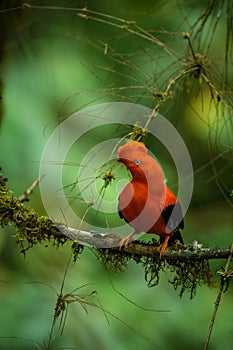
(113,260)
(152,267)
(77,249)
(189,275)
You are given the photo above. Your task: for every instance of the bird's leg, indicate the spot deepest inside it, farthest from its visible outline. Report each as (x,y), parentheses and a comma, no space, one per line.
(126,240)
(162,247)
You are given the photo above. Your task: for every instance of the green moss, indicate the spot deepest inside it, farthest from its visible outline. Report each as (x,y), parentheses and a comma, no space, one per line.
(113,260)
(31,228)
(152,267)
(77,249)
(138,132)
(189,275)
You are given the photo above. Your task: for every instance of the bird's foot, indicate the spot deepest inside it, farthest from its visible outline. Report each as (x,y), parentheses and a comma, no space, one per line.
(126,240)
(162,247)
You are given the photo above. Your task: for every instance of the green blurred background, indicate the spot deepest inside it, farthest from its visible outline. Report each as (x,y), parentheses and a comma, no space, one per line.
(54,62)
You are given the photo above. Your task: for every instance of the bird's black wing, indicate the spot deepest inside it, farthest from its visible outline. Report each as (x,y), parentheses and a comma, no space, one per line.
(173,219)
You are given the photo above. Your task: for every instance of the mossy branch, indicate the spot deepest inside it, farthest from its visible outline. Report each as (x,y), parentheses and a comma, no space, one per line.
(189,264)
(107,240)
(33,228)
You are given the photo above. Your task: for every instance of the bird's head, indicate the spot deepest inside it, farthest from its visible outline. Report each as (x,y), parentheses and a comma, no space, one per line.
(141,165)
(132,153)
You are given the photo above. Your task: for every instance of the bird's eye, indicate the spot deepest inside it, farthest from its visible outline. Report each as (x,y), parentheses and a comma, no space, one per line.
(137,161)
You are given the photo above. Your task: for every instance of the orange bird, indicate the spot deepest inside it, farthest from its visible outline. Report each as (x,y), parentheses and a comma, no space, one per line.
(146,203)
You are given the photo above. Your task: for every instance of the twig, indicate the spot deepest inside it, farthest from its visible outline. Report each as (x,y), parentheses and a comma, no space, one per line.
(225,275)
(29,191)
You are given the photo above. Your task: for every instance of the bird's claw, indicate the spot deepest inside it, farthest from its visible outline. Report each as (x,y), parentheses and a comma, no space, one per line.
(162,247)
(124,241)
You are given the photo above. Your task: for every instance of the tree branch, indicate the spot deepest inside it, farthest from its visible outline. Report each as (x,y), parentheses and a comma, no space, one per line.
(33,228)
(189,264)
(111,241)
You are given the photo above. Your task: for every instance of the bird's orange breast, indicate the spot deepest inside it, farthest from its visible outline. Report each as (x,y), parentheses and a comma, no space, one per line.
(141,209)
